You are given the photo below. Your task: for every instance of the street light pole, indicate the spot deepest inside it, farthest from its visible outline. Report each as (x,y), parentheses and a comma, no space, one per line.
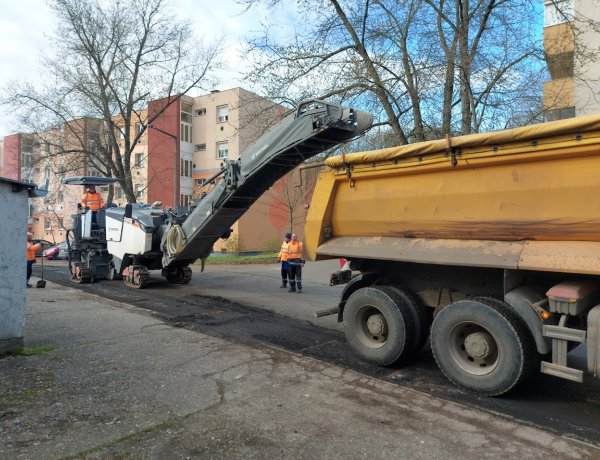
(175,164)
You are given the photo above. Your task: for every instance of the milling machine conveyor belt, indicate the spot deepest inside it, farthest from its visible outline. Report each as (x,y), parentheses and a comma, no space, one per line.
(316,126)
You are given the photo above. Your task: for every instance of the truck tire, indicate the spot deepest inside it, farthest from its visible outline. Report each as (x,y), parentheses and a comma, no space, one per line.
(483,346)
(421,319)
(379,326)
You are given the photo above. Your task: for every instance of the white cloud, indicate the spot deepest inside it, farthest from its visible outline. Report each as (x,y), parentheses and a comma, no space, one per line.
(24,28)
(26,25)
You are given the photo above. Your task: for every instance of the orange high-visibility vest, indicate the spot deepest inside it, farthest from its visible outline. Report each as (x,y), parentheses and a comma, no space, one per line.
(283,254)
(294,250)
(31,248)
(94,201)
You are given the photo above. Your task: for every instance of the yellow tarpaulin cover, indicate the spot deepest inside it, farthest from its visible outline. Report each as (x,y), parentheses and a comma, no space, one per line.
(571,126)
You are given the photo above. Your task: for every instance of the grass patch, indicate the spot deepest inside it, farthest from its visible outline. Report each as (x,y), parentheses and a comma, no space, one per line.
(27,351)
(232,259)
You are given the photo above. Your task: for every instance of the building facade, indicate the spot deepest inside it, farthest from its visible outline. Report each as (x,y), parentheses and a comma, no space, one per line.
(572,48)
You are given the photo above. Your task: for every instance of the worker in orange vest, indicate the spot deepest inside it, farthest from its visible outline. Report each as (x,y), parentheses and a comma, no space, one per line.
(295,262)
(283,257)
(31,248)
(92,200)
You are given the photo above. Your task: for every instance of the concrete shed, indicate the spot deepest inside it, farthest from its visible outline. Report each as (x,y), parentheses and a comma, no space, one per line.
(14,209)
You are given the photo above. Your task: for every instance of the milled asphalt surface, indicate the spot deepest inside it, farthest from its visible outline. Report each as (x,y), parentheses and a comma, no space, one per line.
(119,383)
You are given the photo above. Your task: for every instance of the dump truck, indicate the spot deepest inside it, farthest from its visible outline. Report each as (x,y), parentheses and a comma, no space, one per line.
(128,242)
(487,245)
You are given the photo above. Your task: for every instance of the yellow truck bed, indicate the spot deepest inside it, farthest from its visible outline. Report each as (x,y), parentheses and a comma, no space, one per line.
(526,198)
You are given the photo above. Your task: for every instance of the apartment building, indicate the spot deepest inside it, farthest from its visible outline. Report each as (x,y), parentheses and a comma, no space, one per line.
(224,124)
(39,158)
(571,45)
(183,146)
(186,145)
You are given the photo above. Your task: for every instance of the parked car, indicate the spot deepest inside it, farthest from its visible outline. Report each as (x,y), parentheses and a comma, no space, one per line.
(60,251)
(45,245)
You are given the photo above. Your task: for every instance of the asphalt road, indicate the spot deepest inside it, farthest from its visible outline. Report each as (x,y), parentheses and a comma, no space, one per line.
(245,304)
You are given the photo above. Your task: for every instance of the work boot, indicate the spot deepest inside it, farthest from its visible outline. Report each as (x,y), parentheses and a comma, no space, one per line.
(292,289)
(299,290)
(283,284)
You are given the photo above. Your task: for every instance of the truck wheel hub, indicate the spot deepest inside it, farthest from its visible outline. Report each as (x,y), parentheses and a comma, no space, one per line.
(479,345)
(376,324)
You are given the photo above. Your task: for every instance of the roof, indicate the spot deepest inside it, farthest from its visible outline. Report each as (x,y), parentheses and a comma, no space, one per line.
(32,189)
(89,180)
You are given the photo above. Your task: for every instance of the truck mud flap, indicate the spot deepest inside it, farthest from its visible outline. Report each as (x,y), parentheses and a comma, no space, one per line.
(593,341)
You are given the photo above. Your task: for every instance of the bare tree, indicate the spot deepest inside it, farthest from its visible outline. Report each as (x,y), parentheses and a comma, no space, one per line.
(111,60)
(424,68)
(290,196)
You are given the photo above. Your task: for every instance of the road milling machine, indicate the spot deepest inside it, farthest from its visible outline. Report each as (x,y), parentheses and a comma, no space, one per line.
(127,242)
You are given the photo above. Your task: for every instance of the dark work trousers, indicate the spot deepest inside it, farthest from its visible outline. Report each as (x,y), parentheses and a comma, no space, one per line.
(285,268)
(29,269)
(295,274)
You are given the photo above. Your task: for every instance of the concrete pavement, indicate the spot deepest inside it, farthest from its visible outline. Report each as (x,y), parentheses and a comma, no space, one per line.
(117,382)
(239,283)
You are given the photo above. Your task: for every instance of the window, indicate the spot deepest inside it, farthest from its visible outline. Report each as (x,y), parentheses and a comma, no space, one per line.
(186,113)
(200,112)
(92,146)
(139,127)
(139,160)
(118,193)
(61,172)
(120,134)
(47,223)
(186,132)
(139,190)
(222,114)
(47,146)
(185,200)
(200,182)
(222,150)
(60,197)
(92,171)
(26,160)
(200,147)
(559,114)
(47,173)
(185,168)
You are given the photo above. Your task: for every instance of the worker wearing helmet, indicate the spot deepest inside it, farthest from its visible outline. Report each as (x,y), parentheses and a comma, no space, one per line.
(283,258)
(92,200)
